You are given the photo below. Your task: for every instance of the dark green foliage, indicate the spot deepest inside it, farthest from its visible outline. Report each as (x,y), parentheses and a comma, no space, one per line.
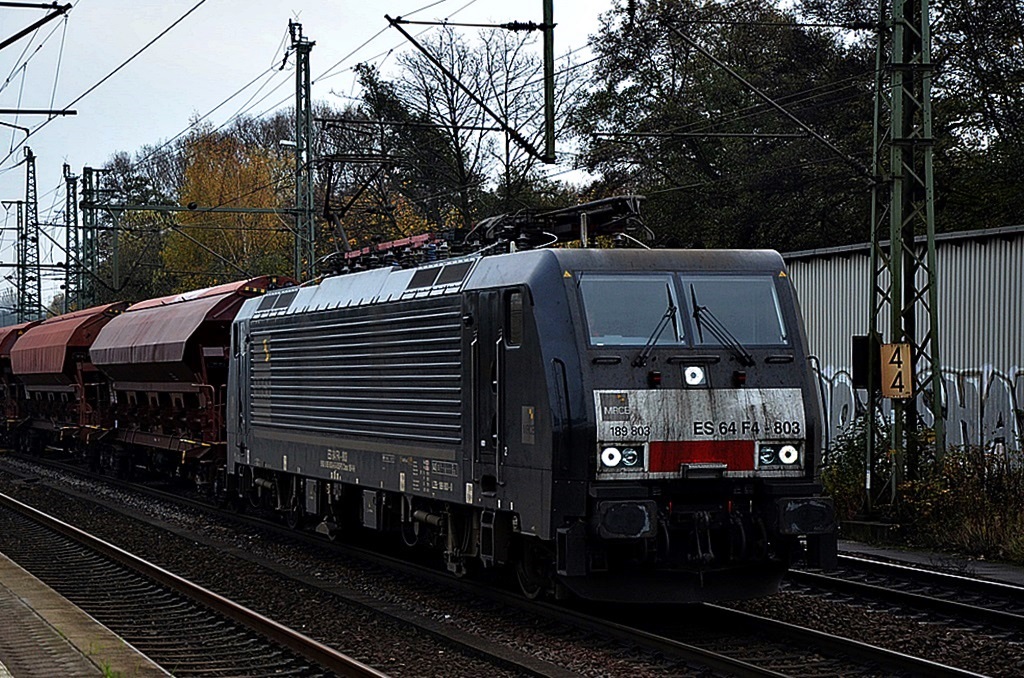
(971,502)
(707,188)
(842,472)
(979,111)
(968,500)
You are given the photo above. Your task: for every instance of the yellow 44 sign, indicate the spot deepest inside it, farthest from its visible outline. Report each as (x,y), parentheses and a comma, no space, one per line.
(897,379)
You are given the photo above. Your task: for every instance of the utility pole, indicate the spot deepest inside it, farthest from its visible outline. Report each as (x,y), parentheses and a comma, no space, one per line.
(305,225)
(29,299)
(549,82)
(72,245)
(904,288)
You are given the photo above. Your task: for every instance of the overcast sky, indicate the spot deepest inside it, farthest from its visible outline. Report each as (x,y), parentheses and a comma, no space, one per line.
(216,50)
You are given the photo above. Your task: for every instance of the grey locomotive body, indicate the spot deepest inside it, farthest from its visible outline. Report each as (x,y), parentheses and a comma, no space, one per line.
(626,424)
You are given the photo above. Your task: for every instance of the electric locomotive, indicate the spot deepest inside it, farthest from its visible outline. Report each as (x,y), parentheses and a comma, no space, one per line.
(619,424)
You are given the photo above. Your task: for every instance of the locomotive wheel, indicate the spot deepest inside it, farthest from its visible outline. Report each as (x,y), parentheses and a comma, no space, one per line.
(533,570)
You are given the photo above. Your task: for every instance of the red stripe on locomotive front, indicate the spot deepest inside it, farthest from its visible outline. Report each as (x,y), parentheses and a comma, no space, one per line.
(666,457)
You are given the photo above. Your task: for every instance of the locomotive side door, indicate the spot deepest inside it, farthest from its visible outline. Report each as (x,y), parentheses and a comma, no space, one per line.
(486,386)
(239,380)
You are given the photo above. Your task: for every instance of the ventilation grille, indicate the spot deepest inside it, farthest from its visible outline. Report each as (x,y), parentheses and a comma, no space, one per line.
(389,372)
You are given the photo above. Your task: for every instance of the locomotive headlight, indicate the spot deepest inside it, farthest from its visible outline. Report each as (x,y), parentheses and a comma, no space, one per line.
(788,454)
(694,375)
(630,456)
(778,455)
(611,456)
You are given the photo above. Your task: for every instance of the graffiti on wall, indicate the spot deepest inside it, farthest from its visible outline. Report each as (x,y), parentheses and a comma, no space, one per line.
(983,407)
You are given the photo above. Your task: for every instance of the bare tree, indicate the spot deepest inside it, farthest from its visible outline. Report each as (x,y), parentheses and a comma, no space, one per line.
(465,158)
(514,89)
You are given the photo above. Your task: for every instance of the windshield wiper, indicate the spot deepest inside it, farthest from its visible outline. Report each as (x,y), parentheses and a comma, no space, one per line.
(669,315)
(718,330)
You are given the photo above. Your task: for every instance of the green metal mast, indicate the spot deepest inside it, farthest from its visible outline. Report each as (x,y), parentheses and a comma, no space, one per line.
(549,82)
(88,254)
(29,274)
(904,288)
(305,225)
(72,244)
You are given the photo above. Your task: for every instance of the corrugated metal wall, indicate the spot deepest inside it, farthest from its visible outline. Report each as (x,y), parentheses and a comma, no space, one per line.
(981,328)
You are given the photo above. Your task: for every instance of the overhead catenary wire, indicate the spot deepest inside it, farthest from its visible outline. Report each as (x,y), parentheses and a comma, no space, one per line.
(109,75)
(19,63)
(60,59)
(273,68)
(245,108)
(123,64)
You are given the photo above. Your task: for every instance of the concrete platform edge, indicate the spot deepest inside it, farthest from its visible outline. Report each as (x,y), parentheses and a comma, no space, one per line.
(111,654)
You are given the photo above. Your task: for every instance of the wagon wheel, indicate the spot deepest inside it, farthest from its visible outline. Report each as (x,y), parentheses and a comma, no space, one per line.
(534,570)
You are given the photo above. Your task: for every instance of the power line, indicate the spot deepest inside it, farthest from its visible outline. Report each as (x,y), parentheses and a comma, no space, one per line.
(110,75)
(19,64)
(60,59)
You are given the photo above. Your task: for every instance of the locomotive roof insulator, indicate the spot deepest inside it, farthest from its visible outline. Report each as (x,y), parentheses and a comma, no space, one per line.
(523,230)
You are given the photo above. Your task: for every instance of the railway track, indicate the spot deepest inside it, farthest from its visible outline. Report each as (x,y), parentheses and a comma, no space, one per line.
(181,626)
(502,659)
(995,608)
(703,640)
(755,645)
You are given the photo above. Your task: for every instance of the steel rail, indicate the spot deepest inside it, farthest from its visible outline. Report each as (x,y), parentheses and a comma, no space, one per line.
(956,608)
(892,660)
(317,652)
(513,660)
(632,633)
(975,584)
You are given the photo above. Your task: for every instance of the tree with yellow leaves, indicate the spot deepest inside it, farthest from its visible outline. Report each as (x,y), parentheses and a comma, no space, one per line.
(205,247)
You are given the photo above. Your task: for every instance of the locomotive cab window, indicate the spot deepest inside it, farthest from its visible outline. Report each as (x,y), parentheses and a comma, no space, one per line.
(630,310)
(745,305)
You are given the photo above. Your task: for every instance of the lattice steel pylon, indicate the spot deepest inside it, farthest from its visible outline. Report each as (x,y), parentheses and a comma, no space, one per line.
(904,291)
(88,253)
(72,243)
(305,224)
(29,279)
